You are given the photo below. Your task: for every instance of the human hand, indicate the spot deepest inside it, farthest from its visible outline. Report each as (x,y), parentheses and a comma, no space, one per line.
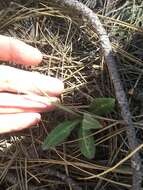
(23,94)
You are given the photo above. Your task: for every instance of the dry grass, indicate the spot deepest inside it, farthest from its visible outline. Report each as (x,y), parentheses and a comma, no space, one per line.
(71,52)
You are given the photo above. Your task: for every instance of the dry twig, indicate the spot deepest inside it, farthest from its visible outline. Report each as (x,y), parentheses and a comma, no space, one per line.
(92,19)
(11,178)
(64,178)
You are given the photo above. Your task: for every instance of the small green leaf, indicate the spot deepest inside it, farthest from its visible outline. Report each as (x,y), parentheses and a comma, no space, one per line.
(89,122)
(59,134)
(86,143)
(102,106)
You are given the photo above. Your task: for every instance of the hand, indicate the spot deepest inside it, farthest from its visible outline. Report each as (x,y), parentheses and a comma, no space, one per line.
(23,94)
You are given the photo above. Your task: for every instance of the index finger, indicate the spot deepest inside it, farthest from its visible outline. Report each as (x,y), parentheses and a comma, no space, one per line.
(17,51)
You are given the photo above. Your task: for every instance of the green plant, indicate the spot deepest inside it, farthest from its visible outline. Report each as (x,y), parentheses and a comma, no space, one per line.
(85,123)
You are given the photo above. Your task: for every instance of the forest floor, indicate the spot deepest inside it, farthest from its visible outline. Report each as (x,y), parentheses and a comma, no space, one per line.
(72,52)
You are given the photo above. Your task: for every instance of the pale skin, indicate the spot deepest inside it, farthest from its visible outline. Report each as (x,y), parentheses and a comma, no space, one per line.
(23,94)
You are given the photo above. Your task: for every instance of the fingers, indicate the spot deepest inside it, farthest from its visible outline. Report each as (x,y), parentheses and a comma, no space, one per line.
(17,51)
(14,103)
(16,80)
(17,122)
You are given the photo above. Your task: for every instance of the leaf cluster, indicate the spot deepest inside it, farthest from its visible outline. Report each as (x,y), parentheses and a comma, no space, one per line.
(85,123)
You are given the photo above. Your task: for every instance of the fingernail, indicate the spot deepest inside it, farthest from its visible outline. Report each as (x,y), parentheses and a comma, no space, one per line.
(37,116)
(55,86)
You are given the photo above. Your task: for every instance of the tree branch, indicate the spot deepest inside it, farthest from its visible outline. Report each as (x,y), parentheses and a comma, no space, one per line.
(92,19)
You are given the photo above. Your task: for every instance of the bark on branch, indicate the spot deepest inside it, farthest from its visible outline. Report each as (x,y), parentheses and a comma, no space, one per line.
(93,20)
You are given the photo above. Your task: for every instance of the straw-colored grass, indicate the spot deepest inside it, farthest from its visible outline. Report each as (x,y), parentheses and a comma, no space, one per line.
(72,52)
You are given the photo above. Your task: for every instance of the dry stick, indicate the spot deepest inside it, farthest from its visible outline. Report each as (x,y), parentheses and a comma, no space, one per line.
(54,173)
(92,19)
(64,178)
(11,178)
